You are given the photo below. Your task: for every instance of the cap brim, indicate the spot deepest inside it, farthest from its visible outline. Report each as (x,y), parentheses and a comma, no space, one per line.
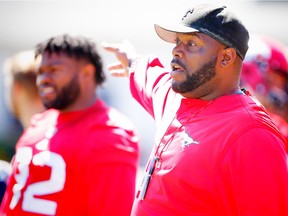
(168,33)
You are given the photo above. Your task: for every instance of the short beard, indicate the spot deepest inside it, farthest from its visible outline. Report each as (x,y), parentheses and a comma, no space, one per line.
(197,79)
(67,95)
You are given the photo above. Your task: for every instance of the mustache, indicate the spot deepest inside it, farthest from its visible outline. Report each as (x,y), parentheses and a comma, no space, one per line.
(179,63)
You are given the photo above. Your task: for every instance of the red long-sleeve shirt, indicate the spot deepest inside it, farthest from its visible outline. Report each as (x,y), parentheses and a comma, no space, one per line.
(220,157)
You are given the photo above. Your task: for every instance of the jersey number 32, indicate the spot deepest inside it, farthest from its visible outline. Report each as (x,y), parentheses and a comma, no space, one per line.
(54,184)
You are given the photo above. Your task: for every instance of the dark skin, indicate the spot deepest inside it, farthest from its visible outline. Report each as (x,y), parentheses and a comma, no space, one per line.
(193,51)
(190,53)
(68,79)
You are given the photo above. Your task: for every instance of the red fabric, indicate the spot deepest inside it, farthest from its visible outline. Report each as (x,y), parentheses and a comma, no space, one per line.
(282,125)
(222,157)
(87,168)
(277,60)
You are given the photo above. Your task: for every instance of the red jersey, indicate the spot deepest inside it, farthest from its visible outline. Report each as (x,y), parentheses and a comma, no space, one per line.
(74,163)
(220,157)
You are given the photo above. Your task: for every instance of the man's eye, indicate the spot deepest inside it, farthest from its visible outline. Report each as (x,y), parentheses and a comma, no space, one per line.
(191,43)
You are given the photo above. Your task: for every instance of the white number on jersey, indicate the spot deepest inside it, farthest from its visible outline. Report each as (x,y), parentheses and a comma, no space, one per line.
(54,184)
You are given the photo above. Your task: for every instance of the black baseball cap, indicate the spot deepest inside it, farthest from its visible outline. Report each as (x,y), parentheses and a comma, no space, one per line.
(215,21)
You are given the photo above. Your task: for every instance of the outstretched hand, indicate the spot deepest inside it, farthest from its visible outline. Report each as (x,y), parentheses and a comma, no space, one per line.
(124,52)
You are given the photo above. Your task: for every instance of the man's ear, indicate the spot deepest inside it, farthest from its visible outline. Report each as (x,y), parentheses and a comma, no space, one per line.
(228,56)
(88,70)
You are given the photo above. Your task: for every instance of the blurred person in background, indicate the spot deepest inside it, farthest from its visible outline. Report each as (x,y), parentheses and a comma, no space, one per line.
(5,171)
(21,96)
(265,74)
(80,156)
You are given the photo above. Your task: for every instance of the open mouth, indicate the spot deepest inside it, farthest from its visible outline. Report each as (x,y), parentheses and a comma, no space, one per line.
(46,91)
(177,71)
(176,67)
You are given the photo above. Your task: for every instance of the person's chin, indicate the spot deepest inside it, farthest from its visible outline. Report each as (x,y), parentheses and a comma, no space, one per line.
(48,103)
(175,87)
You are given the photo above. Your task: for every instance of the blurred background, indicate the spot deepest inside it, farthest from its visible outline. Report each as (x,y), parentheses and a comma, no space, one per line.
(23,24)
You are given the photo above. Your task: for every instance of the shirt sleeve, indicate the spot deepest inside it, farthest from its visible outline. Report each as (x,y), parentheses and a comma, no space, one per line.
(112,192)
(150,85)
(110,173)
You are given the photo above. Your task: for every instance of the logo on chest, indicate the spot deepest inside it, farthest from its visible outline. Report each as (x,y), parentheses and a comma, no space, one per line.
(187,141)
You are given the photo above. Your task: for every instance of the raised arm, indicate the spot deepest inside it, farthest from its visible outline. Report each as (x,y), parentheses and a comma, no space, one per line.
(124,52)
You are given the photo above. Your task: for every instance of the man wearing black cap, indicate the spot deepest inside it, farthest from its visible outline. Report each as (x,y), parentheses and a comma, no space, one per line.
(217,151)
